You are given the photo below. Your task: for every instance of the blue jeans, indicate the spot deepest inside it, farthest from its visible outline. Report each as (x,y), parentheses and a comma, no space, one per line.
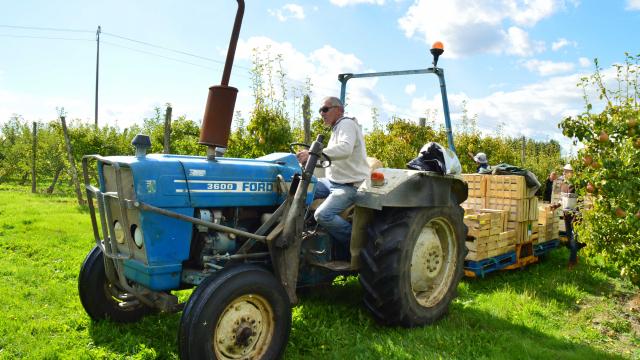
(573,244)
(338,198)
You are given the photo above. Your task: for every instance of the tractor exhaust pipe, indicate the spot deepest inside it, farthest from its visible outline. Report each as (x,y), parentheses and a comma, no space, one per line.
(218,113)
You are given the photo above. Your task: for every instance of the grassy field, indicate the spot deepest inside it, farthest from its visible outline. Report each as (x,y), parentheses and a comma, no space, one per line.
(542,312)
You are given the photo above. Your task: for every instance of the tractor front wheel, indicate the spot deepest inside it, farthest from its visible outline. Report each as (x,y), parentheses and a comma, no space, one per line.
(412,264)
(242,312)
(100,298)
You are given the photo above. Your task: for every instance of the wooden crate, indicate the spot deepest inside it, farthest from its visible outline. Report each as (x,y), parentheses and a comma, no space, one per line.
(506,186)
(499,220)
(474,203)
(532,208)
(517,209)
(477,184)
(485,222)
(490,246)
(523,230)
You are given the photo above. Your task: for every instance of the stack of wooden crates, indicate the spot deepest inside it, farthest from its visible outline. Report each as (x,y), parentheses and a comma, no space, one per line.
(509,194)
(487,235)
(548,224)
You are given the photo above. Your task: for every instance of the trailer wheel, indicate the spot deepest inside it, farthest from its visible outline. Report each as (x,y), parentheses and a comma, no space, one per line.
(101,299)
(412,264)
(242,312)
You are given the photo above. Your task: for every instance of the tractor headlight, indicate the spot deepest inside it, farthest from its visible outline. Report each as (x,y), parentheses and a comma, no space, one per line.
(138,238)
(118,232)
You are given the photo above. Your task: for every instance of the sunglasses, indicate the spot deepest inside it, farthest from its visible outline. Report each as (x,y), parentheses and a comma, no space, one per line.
(324,109)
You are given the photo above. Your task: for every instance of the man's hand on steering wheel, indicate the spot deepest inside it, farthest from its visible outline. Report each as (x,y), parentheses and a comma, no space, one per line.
(303,155)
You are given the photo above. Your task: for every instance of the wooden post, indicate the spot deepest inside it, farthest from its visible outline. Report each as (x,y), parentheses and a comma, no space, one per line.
(422,122)
(524,147)
(167,129)
(306,118)
(72,163)
(55,180)
(34,148)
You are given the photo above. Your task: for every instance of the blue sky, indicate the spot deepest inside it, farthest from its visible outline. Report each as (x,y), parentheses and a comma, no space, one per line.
(514,62)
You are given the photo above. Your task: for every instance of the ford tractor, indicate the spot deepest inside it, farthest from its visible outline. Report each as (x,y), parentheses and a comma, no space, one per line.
(240,232)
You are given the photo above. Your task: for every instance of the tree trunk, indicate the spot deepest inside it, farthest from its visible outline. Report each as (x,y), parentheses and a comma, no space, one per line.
(34,148)
(72,163)
(55,180)
(306,118)
(167,129)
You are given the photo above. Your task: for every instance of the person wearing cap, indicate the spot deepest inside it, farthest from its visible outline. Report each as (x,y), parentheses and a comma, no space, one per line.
(569,204)
(349,168)
(480,159)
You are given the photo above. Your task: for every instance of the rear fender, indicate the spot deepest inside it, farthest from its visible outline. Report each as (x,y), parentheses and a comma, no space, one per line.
(412,188)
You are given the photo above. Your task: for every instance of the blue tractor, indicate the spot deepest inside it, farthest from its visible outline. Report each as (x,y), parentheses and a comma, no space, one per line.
(239,231)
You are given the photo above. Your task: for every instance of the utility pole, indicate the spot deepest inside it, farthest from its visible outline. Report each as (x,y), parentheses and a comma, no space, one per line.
(97,68)
(524,147)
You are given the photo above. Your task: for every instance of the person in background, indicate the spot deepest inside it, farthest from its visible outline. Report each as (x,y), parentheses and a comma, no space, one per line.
(480,159)
(349,168)
(548,186)
(569,204)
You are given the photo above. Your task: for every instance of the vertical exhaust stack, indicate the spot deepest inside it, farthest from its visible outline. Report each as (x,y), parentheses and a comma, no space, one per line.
(216,124)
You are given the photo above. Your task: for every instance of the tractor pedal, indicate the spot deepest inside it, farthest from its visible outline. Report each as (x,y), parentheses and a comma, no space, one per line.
(334,265)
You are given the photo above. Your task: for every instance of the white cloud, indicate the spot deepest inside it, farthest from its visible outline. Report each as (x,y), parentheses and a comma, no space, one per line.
(410,89)
(288,11)
(584,62)
(520,44)
(562,42)
(470,27)
(123,113)
(532,110)
(321,66)
(546,68)
(343,3)
(633,5)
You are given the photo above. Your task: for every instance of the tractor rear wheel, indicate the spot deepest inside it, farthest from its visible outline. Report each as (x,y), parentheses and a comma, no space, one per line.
(242,312)
(100,298)
(412,264)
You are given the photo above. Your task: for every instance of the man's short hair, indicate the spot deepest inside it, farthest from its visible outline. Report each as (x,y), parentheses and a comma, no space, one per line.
(333,101)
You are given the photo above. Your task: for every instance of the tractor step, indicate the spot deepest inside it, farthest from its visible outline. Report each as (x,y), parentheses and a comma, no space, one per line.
(334,265)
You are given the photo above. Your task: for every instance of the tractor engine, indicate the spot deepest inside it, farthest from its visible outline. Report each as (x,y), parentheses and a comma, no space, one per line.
(156,212)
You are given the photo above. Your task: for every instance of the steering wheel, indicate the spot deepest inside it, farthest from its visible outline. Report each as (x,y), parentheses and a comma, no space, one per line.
(324,160)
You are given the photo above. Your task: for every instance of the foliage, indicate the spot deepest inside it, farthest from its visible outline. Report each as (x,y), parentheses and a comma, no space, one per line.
(608,166)
(268,129)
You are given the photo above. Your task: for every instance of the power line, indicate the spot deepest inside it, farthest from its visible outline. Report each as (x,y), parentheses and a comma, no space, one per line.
(286,78)
(158,55)
(42,37)
(44,28)
(170,49)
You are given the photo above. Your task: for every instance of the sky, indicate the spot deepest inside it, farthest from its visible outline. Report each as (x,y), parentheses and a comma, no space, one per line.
(514,63)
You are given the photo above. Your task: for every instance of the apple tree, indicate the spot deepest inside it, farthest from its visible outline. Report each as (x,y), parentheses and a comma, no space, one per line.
(608,166)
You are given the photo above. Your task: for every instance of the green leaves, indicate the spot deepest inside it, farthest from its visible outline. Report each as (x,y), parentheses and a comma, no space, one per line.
(610,139)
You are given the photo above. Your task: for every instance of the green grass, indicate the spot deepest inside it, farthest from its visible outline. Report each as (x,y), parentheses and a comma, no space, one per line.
(541,312)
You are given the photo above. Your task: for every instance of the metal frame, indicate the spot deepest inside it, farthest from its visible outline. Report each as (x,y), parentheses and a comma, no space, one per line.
(343,78)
